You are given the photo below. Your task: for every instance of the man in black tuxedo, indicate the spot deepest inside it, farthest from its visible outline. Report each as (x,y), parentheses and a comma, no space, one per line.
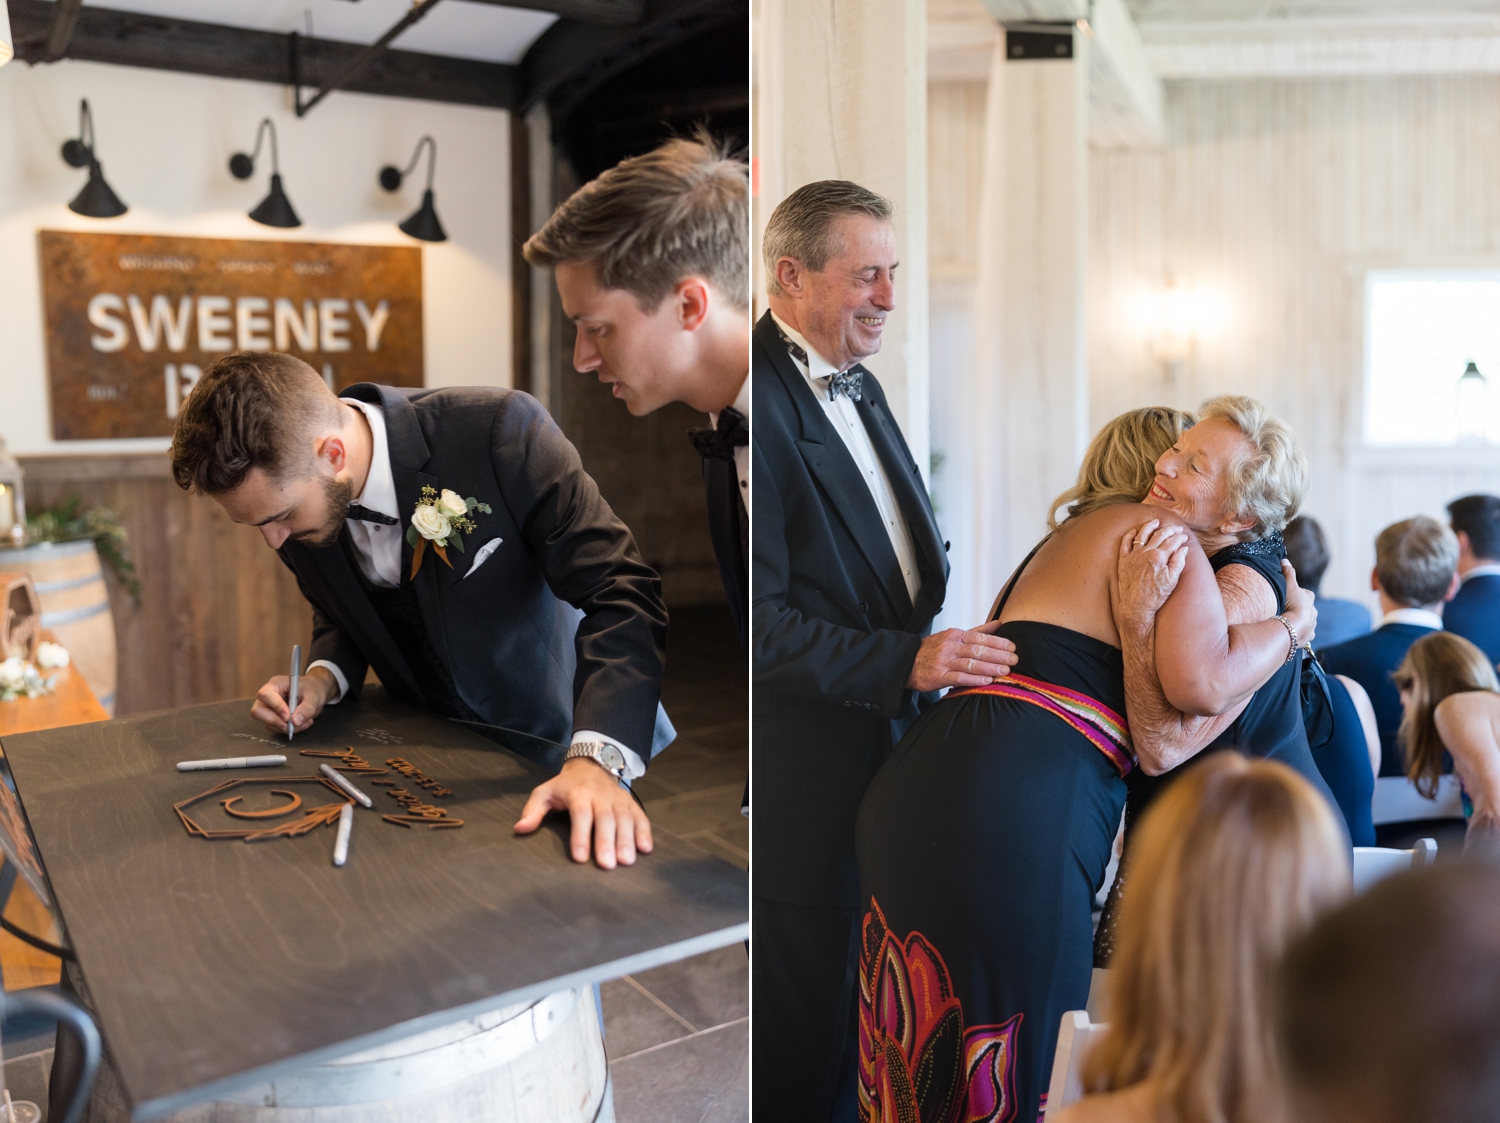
(333,485)
(651,263)
(1415,563)
(1474,612)
(849,570)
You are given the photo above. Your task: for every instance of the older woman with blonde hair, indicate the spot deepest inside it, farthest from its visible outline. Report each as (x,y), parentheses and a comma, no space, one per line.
(1452,706)
(1234,862)
(984,837)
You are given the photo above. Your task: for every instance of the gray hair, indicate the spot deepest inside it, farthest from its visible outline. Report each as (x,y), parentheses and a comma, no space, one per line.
(801,226)
(1268,485)
(1415,561)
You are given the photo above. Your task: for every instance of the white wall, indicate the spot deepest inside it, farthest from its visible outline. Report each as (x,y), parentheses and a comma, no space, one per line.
(165,139)
(1277,196)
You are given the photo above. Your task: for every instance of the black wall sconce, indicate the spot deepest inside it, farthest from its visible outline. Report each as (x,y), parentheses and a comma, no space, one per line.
(275,209)
(424,224)
(97,199)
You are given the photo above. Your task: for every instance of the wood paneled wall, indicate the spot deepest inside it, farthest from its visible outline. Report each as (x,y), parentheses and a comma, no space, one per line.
(1277,196)
(218,613)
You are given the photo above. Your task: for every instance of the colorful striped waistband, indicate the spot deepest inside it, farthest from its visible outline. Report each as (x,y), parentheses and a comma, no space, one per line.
(1106,729)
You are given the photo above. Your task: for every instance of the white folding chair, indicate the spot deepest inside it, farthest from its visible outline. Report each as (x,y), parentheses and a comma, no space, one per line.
(1073,1041)
(1372,863)
(1398,801)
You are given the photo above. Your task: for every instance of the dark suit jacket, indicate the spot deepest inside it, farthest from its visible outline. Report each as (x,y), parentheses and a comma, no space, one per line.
(1475,614)
(506,632)
(834,630)
(726,525)
(1369,661)
(1340,620)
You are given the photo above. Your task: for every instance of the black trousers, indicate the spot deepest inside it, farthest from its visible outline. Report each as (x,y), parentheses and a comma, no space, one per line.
(804,995)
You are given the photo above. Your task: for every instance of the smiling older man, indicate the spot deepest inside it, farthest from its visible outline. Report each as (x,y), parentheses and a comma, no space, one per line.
(848,571)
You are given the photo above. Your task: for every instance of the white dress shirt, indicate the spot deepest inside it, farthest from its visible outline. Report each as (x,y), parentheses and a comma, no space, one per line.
(377,550)
(844,416)
(1488,569)
(741,454)
(1419,616)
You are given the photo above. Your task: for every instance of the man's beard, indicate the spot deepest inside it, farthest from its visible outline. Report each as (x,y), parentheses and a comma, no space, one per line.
(336,493)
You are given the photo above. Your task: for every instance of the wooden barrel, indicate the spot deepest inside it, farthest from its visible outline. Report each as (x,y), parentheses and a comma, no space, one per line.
(537,1062)
(75,605)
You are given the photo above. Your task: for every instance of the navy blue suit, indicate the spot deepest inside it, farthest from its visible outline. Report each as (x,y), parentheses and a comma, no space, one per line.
(1340,620)
(1369,661)
(1475,614)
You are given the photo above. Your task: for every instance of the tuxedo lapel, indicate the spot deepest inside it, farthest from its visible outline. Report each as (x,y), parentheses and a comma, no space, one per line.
(833,468)
(906,484)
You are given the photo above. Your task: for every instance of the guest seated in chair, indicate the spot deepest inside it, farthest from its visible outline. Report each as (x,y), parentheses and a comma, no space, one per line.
(1232,862)
(1452,703)
(1307,549)
(1390,1007)
(1415,572)
(1475,612)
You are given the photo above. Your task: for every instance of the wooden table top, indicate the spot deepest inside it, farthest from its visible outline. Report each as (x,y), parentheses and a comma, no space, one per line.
(213,964)
(70,704)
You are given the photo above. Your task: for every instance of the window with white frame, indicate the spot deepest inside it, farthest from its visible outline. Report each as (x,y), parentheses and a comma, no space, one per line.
(1423,329)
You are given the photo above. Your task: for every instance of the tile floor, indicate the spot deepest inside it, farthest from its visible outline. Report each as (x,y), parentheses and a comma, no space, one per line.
(677,1036)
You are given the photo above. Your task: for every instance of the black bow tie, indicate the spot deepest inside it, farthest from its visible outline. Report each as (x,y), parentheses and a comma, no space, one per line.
(365,515)
(720,443)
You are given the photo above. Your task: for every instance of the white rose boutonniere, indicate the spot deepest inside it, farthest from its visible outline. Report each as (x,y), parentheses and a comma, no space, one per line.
(442,520)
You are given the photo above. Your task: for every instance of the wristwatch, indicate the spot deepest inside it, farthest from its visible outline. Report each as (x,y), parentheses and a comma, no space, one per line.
(602,753)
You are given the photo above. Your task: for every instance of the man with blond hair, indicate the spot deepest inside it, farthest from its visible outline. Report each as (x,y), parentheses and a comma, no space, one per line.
(652,266)
(1416,570)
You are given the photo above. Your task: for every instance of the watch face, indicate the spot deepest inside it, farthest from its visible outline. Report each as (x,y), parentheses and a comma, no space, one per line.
(611,757)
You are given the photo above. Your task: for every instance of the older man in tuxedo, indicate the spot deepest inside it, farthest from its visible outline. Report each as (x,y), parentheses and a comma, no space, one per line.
(848,572)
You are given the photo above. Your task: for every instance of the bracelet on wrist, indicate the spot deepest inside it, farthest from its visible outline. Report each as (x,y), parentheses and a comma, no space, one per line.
(1292,633)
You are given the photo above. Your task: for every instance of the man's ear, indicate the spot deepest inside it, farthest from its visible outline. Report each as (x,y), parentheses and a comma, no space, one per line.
(1374,580)
(1464,547)
(693,299)
(1452,588)
(789,275)
(331,451)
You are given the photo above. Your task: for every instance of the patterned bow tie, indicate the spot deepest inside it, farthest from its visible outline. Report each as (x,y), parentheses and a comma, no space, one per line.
(365,515)
(720,443)
(846,382)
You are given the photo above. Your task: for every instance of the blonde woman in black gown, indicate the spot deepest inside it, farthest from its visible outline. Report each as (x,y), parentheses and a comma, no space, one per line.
(984,838)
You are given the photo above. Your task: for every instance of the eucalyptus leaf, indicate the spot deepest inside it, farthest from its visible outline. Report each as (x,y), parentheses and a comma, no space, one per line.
(457,542)
(412,536)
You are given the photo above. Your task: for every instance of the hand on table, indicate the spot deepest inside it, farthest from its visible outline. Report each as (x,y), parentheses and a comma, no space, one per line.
(1152,557)
(596,803)
(313,691)
(962,658)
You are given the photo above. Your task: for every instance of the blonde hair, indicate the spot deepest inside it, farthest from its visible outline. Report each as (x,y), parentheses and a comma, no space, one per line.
(1436,666)
(1121,460)
(1234,860)
(1269,484)
(1415,560)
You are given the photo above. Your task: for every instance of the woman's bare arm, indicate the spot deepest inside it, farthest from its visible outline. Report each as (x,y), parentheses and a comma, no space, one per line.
(1367,723)
(1205,666)
(1467,724)
(1164,737)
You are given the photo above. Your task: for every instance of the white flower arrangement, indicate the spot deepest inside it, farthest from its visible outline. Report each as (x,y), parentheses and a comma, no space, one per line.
(18,678)
(52,655)
(441,520)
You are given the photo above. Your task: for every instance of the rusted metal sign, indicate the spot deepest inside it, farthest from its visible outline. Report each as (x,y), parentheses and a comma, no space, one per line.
(133,320)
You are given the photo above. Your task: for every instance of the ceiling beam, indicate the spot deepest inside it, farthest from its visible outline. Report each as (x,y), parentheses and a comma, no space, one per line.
(160,43)
(356,66)
(1125,92)
(64,18)
(619,12)
(572,59)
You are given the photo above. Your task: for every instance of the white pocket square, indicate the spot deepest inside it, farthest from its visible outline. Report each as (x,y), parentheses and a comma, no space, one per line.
(483,556)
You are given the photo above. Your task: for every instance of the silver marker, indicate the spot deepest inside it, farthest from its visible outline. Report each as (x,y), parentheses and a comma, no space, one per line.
(230,762)
(341,844)
(292,703)
(364,800)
